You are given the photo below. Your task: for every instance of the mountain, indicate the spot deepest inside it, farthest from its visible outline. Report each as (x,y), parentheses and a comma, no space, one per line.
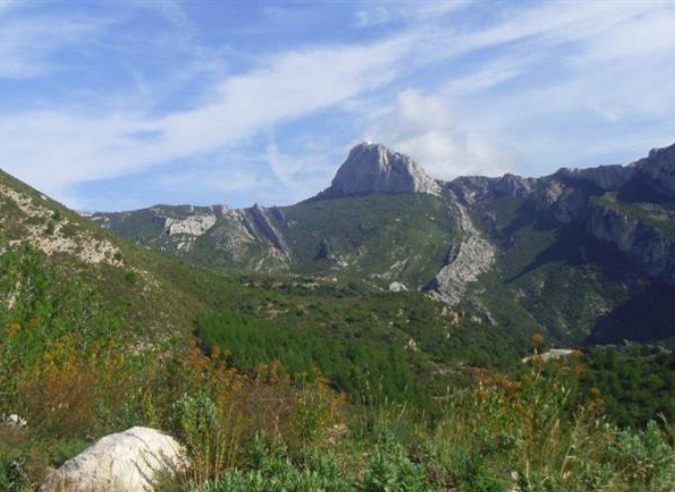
(373,168)
(345,232)
(39,233)
(583,255)
(63,276)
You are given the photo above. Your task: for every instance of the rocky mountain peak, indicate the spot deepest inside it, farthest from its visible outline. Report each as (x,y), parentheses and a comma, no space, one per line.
(373,168)
(659,168)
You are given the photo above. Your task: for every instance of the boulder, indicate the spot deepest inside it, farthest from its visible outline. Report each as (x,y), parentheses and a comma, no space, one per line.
(15,421)
(124,462)
(553,354)
(397,287)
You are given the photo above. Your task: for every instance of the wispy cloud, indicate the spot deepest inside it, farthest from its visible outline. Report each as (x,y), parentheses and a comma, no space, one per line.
(27,45)
(426,128)
(283,88)
(379,13)
(450,91)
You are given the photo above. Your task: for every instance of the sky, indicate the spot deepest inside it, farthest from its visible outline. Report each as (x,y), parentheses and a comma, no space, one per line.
(122,104)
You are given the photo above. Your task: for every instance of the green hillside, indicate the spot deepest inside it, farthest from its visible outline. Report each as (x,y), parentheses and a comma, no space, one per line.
(312,384)
(381,238)
(557,278)
(401,337)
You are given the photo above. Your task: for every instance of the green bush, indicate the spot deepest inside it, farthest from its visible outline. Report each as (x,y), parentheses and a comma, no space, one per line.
(271,470)
(391,470)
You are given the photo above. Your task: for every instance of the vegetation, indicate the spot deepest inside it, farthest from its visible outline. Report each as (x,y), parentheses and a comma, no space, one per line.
(158,298)
(380,237)
(410,235)
(288,384)
(554,277)
(637,383)
(657,214)
(65,358)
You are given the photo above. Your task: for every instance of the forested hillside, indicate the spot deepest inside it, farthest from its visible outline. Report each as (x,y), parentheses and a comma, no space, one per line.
(294,383)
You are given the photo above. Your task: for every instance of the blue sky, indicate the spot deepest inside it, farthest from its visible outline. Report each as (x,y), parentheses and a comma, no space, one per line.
(122,104)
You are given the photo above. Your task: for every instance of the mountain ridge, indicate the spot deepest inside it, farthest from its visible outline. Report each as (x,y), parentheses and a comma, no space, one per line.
(478,241)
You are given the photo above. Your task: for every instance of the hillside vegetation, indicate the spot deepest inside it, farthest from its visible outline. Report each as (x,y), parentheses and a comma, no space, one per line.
(314,378)
(69,368)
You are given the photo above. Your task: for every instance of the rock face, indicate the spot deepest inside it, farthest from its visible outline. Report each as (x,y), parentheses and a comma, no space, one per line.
(397,287)
(123,462)
(195,225)
(34,212)
(264,224)
(624,206)
(474,257)
(372,168)
(605,177)
(659,168)
(642,242)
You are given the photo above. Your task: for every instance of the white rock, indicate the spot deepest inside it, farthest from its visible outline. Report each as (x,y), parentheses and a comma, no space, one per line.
(397,287)
(412,345)
(123,462)
(194,225)
(15,421)
(553,354)
(475,256)
(372,168)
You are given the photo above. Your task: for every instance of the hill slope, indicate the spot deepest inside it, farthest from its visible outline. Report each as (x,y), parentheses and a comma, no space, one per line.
(583,255)
(353,332)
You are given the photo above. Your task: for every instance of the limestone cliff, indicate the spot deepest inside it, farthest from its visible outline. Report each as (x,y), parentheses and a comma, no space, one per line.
(373,168)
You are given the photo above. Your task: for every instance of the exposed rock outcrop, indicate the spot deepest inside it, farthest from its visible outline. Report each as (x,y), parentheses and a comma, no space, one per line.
(263,222)
(324,252)
(373,168)
(606,178)
(123,462)
(397,287)
(659,168)
(233,235)
(472,189)
(51,233)
(642,242)
(194,225)
(474,256)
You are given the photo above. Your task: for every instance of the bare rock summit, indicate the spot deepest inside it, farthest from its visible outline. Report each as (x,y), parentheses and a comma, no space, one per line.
(373,168)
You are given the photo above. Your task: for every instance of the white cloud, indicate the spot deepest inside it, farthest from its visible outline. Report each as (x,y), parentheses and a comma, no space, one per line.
(378,13)
(54,149)
(302,172)
(623,71)
(91,146)
(285,88)
(426,128)
(27,45)
(651,34)
(490,74)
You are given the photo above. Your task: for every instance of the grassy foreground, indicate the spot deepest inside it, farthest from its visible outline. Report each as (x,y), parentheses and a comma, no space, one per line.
(68,366)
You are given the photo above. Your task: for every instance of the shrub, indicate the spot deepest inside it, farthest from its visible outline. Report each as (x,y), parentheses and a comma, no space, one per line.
(271,470)
(643,459)
(391,470)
